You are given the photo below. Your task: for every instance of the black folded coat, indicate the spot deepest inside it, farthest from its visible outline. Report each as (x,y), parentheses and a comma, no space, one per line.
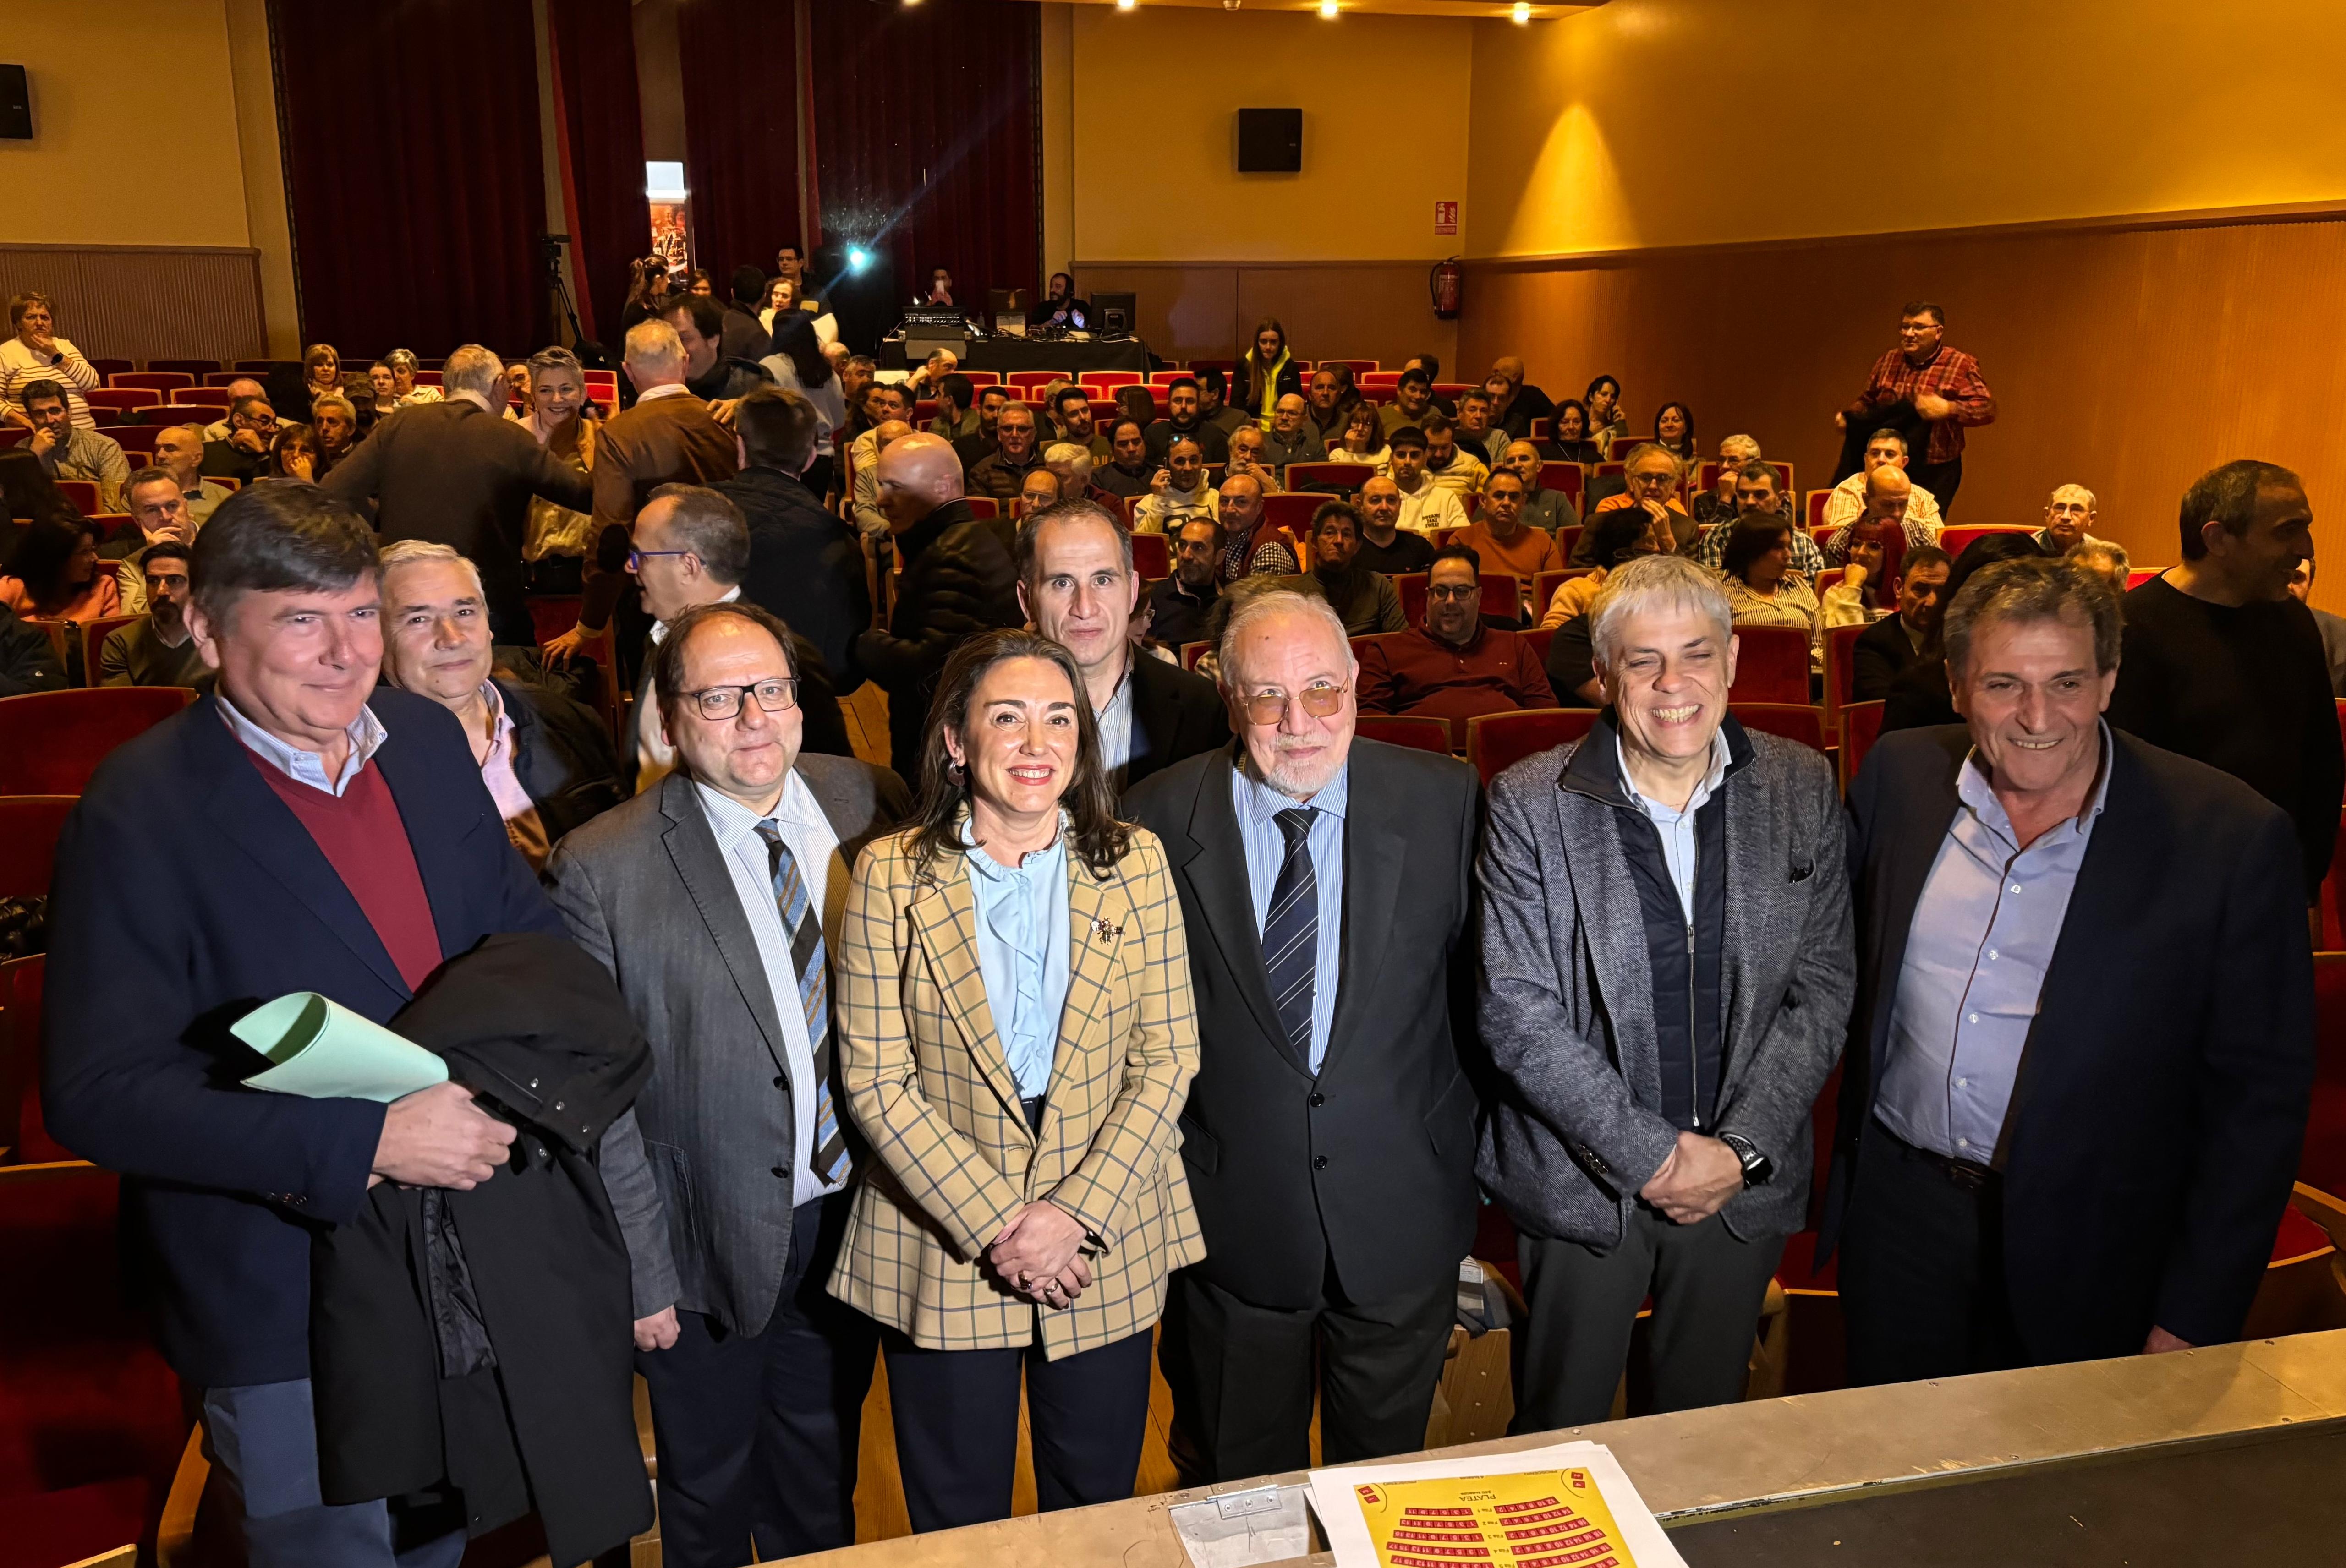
(481,1341)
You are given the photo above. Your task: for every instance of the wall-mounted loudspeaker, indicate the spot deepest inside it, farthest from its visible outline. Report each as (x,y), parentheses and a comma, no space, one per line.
(1270,141)
(15,104)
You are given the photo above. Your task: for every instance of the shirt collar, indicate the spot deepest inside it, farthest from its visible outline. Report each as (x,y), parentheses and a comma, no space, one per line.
(1720,754)
(659,628)
(731,822)
(671,389)
(366,734)
(1978,795)
(1258,803)
(1036,865)
(501,724)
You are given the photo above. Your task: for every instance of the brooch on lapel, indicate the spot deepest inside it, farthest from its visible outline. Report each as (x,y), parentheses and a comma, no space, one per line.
(1105,931)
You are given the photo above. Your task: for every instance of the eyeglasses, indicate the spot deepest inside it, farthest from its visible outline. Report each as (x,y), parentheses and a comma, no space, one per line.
(636,558)
(1318,701)
(1455,591)
(777,695)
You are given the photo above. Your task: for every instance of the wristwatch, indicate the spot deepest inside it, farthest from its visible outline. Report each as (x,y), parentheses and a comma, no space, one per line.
(1757,1168)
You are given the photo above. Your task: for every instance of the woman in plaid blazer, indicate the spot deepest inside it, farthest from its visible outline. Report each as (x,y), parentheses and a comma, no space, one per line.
(1017,1041)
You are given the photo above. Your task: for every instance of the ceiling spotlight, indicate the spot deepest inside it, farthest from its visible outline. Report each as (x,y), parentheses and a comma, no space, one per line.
(1126,5)
(1327,10)
(1523,13)
(858,258)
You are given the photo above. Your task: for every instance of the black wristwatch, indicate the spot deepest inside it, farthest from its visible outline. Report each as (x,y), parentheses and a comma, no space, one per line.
(1757,1168)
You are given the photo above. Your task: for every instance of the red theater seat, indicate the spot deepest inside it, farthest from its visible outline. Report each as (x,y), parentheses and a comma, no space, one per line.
(1035,381)
(1342,477)
(1496,742)
(82,493)
(205,397)
(120,399)
(93,641)
(1405,730)
(2321,1162)
(1954,540)
(1772,665)
(1841,668)
(158,380)
(188,367)
(1152,555)
(136,440)
(1860,726)
(51,741)
(29,825)
(1789,722)
(1568,477)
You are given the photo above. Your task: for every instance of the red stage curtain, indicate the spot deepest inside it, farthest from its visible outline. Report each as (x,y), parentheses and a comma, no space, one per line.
(740,131)
(602,127)
(413,172)
(926,139)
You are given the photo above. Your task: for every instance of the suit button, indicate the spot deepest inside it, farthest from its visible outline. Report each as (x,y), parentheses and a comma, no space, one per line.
(1318,1101)
(782,1170)
(1319,1162)
(778,1081)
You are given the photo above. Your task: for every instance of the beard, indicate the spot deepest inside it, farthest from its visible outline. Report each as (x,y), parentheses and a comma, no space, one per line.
(1302,778)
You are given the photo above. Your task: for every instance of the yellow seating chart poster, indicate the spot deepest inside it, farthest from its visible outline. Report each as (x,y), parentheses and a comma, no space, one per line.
(1538,1519)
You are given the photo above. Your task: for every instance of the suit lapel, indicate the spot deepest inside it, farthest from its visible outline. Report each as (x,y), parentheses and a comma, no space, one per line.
(692,849)
(1159,720)
(265,828)
(945,914)
(1376,852)
(1215,862)
(436,861)
(1098,913)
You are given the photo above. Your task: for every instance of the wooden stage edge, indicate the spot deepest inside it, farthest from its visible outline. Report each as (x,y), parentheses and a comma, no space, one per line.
(1805,1449)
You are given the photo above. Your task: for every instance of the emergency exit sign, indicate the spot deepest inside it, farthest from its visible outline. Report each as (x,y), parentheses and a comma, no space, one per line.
(1446,217)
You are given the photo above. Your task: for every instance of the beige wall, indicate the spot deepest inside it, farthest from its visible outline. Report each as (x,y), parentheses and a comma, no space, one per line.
(1690,122)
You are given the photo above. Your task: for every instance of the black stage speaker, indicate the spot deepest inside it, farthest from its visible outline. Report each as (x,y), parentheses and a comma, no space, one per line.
(1270,141)
(15,104)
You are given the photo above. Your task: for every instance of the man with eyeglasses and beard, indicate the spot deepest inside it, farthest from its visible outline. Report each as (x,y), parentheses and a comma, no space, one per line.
(1329,1134)
(1453,667)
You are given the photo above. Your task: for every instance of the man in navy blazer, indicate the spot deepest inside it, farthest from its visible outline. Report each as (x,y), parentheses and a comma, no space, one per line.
(327,837)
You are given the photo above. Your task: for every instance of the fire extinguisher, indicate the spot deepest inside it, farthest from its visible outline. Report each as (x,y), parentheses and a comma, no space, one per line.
(1444,282)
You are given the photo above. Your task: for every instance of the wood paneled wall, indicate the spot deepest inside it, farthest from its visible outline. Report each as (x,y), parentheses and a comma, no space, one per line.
(148,301)
(2128,359)
(1332,310)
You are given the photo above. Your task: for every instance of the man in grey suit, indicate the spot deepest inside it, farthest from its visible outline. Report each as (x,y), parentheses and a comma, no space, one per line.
(1668,972)
(708,897)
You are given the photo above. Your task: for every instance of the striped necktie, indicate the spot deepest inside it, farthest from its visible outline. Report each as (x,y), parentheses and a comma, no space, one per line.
(1291,931)
(802,922)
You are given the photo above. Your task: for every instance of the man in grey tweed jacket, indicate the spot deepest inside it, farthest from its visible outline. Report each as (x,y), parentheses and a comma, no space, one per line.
(1668,970)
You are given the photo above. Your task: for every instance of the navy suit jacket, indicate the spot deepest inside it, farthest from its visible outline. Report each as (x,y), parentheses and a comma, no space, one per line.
(187,893)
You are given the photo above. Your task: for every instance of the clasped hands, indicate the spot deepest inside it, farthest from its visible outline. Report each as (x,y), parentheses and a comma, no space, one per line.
(1697,1178)
(1039,1255)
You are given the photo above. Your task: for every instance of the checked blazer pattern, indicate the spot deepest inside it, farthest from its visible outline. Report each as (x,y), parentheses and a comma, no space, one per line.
(954,1160)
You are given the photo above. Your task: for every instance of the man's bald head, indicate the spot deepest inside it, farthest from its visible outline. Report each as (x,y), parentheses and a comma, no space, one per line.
(888,433)
(1509,367)
(918,472)
(1886,490)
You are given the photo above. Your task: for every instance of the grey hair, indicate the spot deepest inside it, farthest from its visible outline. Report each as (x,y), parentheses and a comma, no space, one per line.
(708,523)
(1742,444)
(398,357)
(1276,602)
(654,346)
(1076,459)
(1646,449)
(2033,588)
(2120,563)
(333,399)
(1654,582)
(2091,505)
(423,552)
(473,369)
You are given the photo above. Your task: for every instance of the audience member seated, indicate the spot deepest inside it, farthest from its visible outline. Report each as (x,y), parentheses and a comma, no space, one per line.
(1129,470)
(1889,645)
(69,451)
(2116,567)
(36,352)
(223,427)
(1217,413)
(243,453)
(1246,457)
(874,403)
(160,511)
(710,373)
(1363,440)
(804,567)
(2069,516)
(1756,495)
(1183,422)
(1478,436)
(1252,544)
(382,398)
(335,421)
(1713,507)
(1426,504)
(1267,372)
(1365,601)
(1332,400)
(1542,508)
(1450,464)
(1651,476)
(294,454)
(1413,401)
(1674,432)
(1429,367)
(56,575)
(1856,599)
(855,376)
(1609,422)
(1385,546)
(1292,437)
(1017,452)
(322,375)
(1889,503)
(1500,535)
(1061,306)
(1567,439)
(547,761)
(863,507)
(1137,403)
(2300,587)
(924,382)
(742,335)
(956,415)
(1453,667)
(1041,488)
(1919,696)
(1177,491)
(158,650)
(403,365)
(1514,404)
(179,448)
(28,660)
(1883,448)
(1073,410)
(1178,606)
(1071,465)
(1621,535)
(1762,588)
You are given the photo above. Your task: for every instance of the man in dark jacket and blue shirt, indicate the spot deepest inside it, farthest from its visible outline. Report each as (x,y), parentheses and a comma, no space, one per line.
(1666,979)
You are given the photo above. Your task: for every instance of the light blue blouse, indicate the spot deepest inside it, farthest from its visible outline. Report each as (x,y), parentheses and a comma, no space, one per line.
(1022,952)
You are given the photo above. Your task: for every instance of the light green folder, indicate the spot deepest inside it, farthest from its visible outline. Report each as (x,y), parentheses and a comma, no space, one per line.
(323,1051)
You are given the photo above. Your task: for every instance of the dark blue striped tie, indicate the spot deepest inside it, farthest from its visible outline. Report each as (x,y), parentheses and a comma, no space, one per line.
(1290,932)
(802,922)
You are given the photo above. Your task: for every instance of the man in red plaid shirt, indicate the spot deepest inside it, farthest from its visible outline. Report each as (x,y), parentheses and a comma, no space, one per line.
(1940,384)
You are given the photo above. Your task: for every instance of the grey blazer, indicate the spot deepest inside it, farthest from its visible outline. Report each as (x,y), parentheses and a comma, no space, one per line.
(700,1170)
(1567,1010)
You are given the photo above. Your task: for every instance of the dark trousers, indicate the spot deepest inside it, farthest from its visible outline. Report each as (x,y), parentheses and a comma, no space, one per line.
(757,1433)
(1922,1269)
(1708,1287)
(958,1426)
(1243,1376)
(1941,479)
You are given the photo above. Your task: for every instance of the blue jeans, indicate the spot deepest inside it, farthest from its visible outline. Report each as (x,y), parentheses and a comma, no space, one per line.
(262,1441)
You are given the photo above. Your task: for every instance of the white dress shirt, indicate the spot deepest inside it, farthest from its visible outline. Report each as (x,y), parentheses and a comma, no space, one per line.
(366,736)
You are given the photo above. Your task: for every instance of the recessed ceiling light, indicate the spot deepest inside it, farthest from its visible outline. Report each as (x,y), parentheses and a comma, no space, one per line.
(1523,12)
(1328,11)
